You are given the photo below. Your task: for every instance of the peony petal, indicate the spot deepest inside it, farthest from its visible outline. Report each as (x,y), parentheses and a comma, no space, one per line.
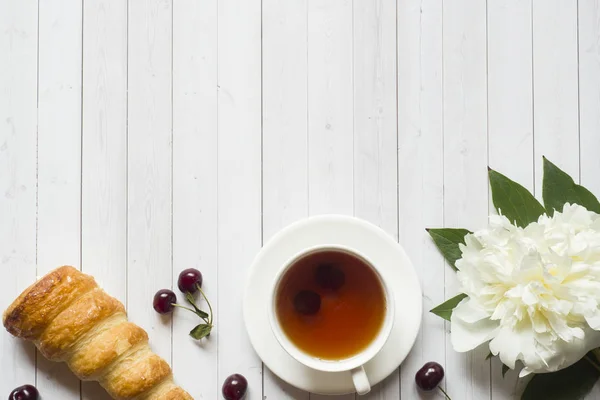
(530,295)
(539,324)
(505,347)
(562,329)
(501,310)
(524,372)
(593,320)
(468,334)
(469,311)
(512,344)
(563,354)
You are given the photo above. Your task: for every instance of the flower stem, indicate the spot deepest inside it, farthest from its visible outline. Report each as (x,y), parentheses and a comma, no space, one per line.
(207,302)
(594,364)
(445,394)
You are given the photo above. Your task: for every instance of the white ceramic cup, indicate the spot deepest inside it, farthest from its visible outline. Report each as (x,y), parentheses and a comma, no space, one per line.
(355,364)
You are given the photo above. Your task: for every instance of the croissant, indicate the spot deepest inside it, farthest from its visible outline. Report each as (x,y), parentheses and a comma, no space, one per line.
(70,319)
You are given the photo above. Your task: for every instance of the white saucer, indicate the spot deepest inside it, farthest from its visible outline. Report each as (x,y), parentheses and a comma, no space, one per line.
(396,270)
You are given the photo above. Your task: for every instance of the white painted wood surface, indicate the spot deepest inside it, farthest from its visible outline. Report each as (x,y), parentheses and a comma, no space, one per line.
(59,133)
(140,138)
(104,153)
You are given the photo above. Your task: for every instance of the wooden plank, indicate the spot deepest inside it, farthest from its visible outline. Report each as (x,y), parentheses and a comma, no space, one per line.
(510,91)
(330,112)
(465,163)
(18,133)
(239,181)
(375,125)
(285,135)
(195,184)
(589,93)
(589,102)
(510,113)
(330,107)
(556,125)
(59,161)
(149,239)
(420,171)
(285,125)
(104,152)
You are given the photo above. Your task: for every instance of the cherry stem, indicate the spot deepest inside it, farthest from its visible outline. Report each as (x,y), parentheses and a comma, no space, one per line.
(189,309)
(445,394)
(207,302)
(594,364)
(184,307)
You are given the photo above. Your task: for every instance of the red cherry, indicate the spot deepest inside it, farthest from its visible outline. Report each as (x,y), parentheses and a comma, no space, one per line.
(189,280)
(235,387)
(164,300)
(25,392)
(429,376)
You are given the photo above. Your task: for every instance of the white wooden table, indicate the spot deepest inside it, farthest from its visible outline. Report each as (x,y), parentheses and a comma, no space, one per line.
(142,137)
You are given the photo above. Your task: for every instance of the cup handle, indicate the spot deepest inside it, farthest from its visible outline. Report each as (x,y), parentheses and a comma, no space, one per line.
(361,382)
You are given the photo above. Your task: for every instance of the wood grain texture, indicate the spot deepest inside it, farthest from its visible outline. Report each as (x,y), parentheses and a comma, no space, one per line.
(149,163)
(510,118)
(330,107)
(420,171)
(104,152)
(589,93)
(510,94)
(555,89)
(239,181)
(375,126)
(589,103)
(285,125)
(59,160)
(285,135)
(195,185)
(374,114)
(18,136)
(465,163)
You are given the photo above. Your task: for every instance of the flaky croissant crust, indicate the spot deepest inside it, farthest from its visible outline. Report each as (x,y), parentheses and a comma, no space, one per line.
(70,319)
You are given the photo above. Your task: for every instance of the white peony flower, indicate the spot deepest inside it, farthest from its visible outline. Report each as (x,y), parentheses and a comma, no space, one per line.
(534,292)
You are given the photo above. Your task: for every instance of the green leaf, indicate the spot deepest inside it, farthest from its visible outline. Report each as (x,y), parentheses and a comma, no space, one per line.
(513,200)
(571,383)
(190,298)
(447,241)
(559,188)
(201,331)
(504,370)
(444,310)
